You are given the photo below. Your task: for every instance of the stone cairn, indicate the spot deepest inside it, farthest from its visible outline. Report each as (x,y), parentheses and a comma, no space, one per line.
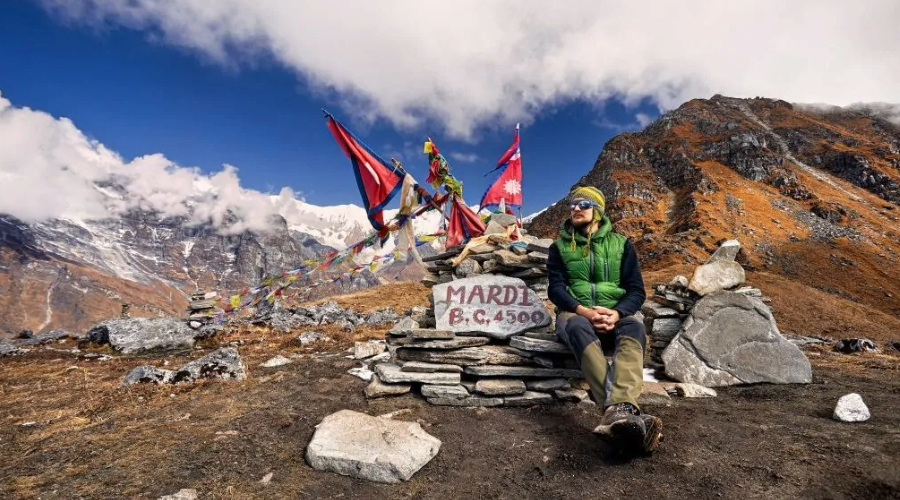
(495,254)
(487,339)
(670,304)
(201,308)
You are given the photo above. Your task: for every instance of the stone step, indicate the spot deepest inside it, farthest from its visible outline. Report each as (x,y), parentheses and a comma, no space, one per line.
(392,374)
(538,345)
(520,371)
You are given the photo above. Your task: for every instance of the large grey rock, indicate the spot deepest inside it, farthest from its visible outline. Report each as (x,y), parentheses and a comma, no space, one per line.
(467,356)
(376,449)
(494,304)
(732,339)
(392,374)
(715,276)
(133,335)
(9,349)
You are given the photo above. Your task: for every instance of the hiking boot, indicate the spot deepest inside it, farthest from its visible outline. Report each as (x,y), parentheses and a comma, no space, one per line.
(623,426)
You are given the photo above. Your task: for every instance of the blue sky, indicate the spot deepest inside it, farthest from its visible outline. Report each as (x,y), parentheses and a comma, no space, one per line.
(204,83)
(139,96)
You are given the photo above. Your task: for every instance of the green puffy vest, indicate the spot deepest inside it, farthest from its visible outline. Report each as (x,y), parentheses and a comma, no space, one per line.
(593,279)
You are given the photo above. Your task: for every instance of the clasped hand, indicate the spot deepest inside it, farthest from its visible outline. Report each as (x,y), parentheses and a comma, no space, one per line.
(602,318)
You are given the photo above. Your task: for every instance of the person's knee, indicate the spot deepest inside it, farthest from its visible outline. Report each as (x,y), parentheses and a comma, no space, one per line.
(579,326)
(632,328)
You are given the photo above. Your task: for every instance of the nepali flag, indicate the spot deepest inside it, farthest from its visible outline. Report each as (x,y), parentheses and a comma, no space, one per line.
(377,182)
(507,187)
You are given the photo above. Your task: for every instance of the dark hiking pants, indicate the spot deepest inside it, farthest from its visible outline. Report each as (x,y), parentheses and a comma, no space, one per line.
(620,381)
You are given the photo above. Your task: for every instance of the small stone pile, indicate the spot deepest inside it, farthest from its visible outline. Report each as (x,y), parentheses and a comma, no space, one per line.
(670,305)
(494,253)
(491,345)
(201,308)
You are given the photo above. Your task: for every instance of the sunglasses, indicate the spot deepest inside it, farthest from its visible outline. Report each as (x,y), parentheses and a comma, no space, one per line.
(581,205)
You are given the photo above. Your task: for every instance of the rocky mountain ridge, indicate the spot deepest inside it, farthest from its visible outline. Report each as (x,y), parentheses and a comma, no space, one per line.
(811,194)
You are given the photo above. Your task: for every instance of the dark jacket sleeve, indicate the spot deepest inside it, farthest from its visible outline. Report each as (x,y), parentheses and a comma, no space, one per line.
(558,281)
(631,280)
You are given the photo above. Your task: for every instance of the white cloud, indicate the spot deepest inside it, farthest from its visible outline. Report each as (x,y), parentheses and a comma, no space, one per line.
(643,119)
(49,169)
(473,62)
(464,157)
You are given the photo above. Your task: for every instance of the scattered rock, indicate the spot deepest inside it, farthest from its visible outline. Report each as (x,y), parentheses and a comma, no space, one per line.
(183,494)
(363,350)
(848,346)
(276,361)
(694,391)
(148,375)
(308,338)
(224,363)
(376,449)
(851,408)
(362,372)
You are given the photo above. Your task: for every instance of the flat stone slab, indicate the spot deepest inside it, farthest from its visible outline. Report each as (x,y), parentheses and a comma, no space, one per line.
(444,391)
(654,394)
(571,395)
(538,345)
(430,334)
(467,356)
(730,339)
(496,304)
(500,387)
(363,350)
(416,366)
(520,371)
(548,385)
(457,343)
(392,374)
(469,401)
(549,337)
(378,389)
(376,449)
(528,398)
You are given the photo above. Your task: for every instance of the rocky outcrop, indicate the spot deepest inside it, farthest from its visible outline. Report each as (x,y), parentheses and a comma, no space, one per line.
(223,364)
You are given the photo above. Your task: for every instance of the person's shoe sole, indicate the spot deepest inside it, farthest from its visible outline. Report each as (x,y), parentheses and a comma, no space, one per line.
(653,436)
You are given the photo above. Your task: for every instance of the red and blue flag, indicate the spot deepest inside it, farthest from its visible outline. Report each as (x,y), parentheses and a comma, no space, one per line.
(507,187)
(378,183)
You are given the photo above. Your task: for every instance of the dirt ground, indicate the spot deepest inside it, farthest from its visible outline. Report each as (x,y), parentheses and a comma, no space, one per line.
(68,431)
